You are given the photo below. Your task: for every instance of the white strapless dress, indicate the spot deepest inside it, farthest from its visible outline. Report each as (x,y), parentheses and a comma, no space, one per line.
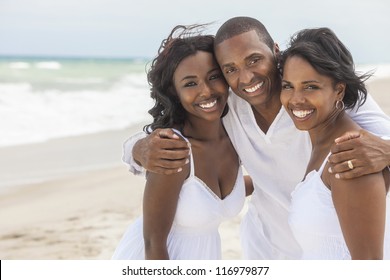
(315,224)
(194,234)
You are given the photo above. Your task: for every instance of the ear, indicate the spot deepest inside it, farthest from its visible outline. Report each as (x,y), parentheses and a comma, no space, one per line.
(340,90)
(276,49)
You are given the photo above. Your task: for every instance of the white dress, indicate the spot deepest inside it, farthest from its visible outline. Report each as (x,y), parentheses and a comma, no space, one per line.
(194,234)
(314,221)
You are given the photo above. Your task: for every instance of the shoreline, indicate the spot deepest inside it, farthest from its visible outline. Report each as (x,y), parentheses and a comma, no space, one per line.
(63,157)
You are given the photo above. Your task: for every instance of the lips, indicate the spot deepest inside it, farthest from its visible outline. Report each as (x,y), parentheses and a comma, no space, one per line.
(301,114)
(254,88)
(208,105)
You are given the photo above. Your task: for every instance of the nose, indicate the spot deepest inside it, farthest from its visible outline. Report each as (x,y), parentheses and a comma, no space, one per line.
(206,90)
(245,76)
(297,97)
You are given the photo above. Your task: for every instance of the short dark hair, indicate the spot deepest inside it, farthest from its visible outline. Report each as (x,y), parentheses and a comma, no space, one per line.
(329,56)
(238,25)
(183,41)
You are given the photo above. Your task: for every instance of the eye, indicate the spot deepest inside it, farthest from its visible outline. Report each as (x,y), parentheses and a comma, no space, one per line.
(311,87)
(230,70)
(286,87)
(190,84)
(215,76)
(253,60)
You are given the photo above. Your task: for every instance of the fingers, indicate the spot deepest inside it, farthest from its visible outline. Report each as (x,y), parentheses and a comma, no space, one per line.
(176,155)
(346,142)
(165,153)
(170,167)
(342,147)
(175,145)
(166,133)
(167,139)
(340,156)
(165,171)
(350,174)
(344,166)
(362,150)
(348,169)
(166,166)
(347,136)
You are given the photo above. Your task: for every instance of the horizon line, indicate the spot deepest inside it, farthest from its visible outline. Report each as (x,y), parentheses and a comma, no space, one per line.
(75,57)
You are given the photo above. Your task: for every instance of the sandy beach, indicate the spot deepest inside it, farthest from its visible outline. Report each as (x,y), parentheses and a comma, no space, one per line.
(72,198)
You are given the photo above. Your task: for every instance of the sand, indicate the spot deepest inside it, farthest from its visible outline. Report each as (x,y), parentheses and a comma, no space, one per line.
(72,198)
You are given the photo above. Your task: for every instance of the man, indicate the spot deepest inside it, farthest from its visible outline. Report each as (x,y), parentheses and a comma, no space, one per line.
(272,150)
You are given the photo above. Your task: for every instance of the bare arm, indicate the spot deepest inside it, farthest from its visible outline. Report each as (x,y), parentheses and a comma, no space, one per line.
(161,152)
(248,185)
(361,212)
(159,207)
(367,152)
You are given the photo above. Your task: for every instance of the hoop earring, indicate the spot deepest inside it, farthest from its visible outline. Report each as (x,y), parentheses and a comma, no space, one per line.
(338,106)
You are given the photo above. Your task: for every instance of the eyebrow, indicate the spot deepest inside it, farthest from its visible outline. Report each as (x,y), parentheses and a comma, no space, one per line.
(227,65)
(189,77)
(310,81)
(194,77)
(245,58)
(304,82)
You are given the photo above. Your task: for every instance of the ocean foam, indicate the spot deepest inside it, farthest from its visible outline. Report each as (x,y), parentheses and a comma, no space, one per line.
(381,71)
(19,65)
(50,65)
(29,116)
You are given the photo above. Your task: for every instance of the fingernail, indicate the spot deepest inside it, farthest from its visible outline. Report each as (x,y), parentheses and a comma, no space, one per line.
(179,170)
(330,170)
(337,176)
(187,161)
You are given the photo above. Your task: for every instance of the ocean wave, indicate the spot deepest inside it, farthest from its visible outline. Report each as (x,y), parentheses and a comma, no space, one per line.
(19,65)
(380,71)
(49,65)
(29,116)
(80,81)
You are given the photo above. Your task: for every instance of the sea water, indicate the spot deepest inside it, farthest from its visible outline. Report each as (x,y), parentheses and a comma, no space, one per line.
(46,98)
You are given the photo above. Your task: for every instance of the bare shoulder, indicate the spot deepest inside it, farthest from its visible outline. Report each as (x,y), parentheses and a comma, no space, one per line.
(363,185)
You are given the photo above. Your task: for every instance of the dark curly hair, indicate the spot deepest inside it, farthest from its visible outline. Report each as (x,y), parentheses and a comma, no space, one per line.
(183,41)
(328,56)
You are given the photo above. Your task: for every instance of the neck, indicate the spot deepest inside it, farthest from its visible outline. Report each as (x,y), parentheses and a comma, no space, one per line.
(324,134)
(204,130)
(266,113)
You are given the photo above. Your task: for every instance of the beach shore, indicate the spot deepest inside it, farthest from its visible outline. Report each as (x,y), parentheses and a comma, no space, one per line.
(72,198)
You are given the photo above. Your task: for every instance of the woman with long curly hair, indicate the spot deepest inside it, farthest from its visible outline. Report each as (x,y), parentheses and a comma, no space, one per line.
(182,211)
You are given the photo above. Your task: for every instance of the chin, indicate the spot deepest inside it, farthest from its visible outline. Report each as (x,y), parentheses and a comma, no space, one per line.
(301,128)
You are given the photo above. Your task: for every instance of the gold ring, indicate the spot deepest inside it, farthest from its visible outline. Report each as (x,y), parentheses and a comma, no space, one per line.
(350,165)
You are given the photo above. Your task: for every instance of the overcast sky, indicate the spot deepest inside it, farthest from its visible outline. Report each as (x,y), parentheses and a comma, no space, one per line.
(126,28)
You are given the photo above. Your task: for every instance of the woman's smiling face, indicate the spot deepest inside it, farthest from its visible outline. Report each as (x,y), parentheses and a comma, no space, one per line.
(308,96)
(200,86)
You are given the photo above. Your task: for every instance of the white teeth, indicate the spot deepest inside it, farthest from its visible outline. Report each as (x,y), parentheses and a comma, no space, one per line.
(253,89)
(301,113)
(208,105)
